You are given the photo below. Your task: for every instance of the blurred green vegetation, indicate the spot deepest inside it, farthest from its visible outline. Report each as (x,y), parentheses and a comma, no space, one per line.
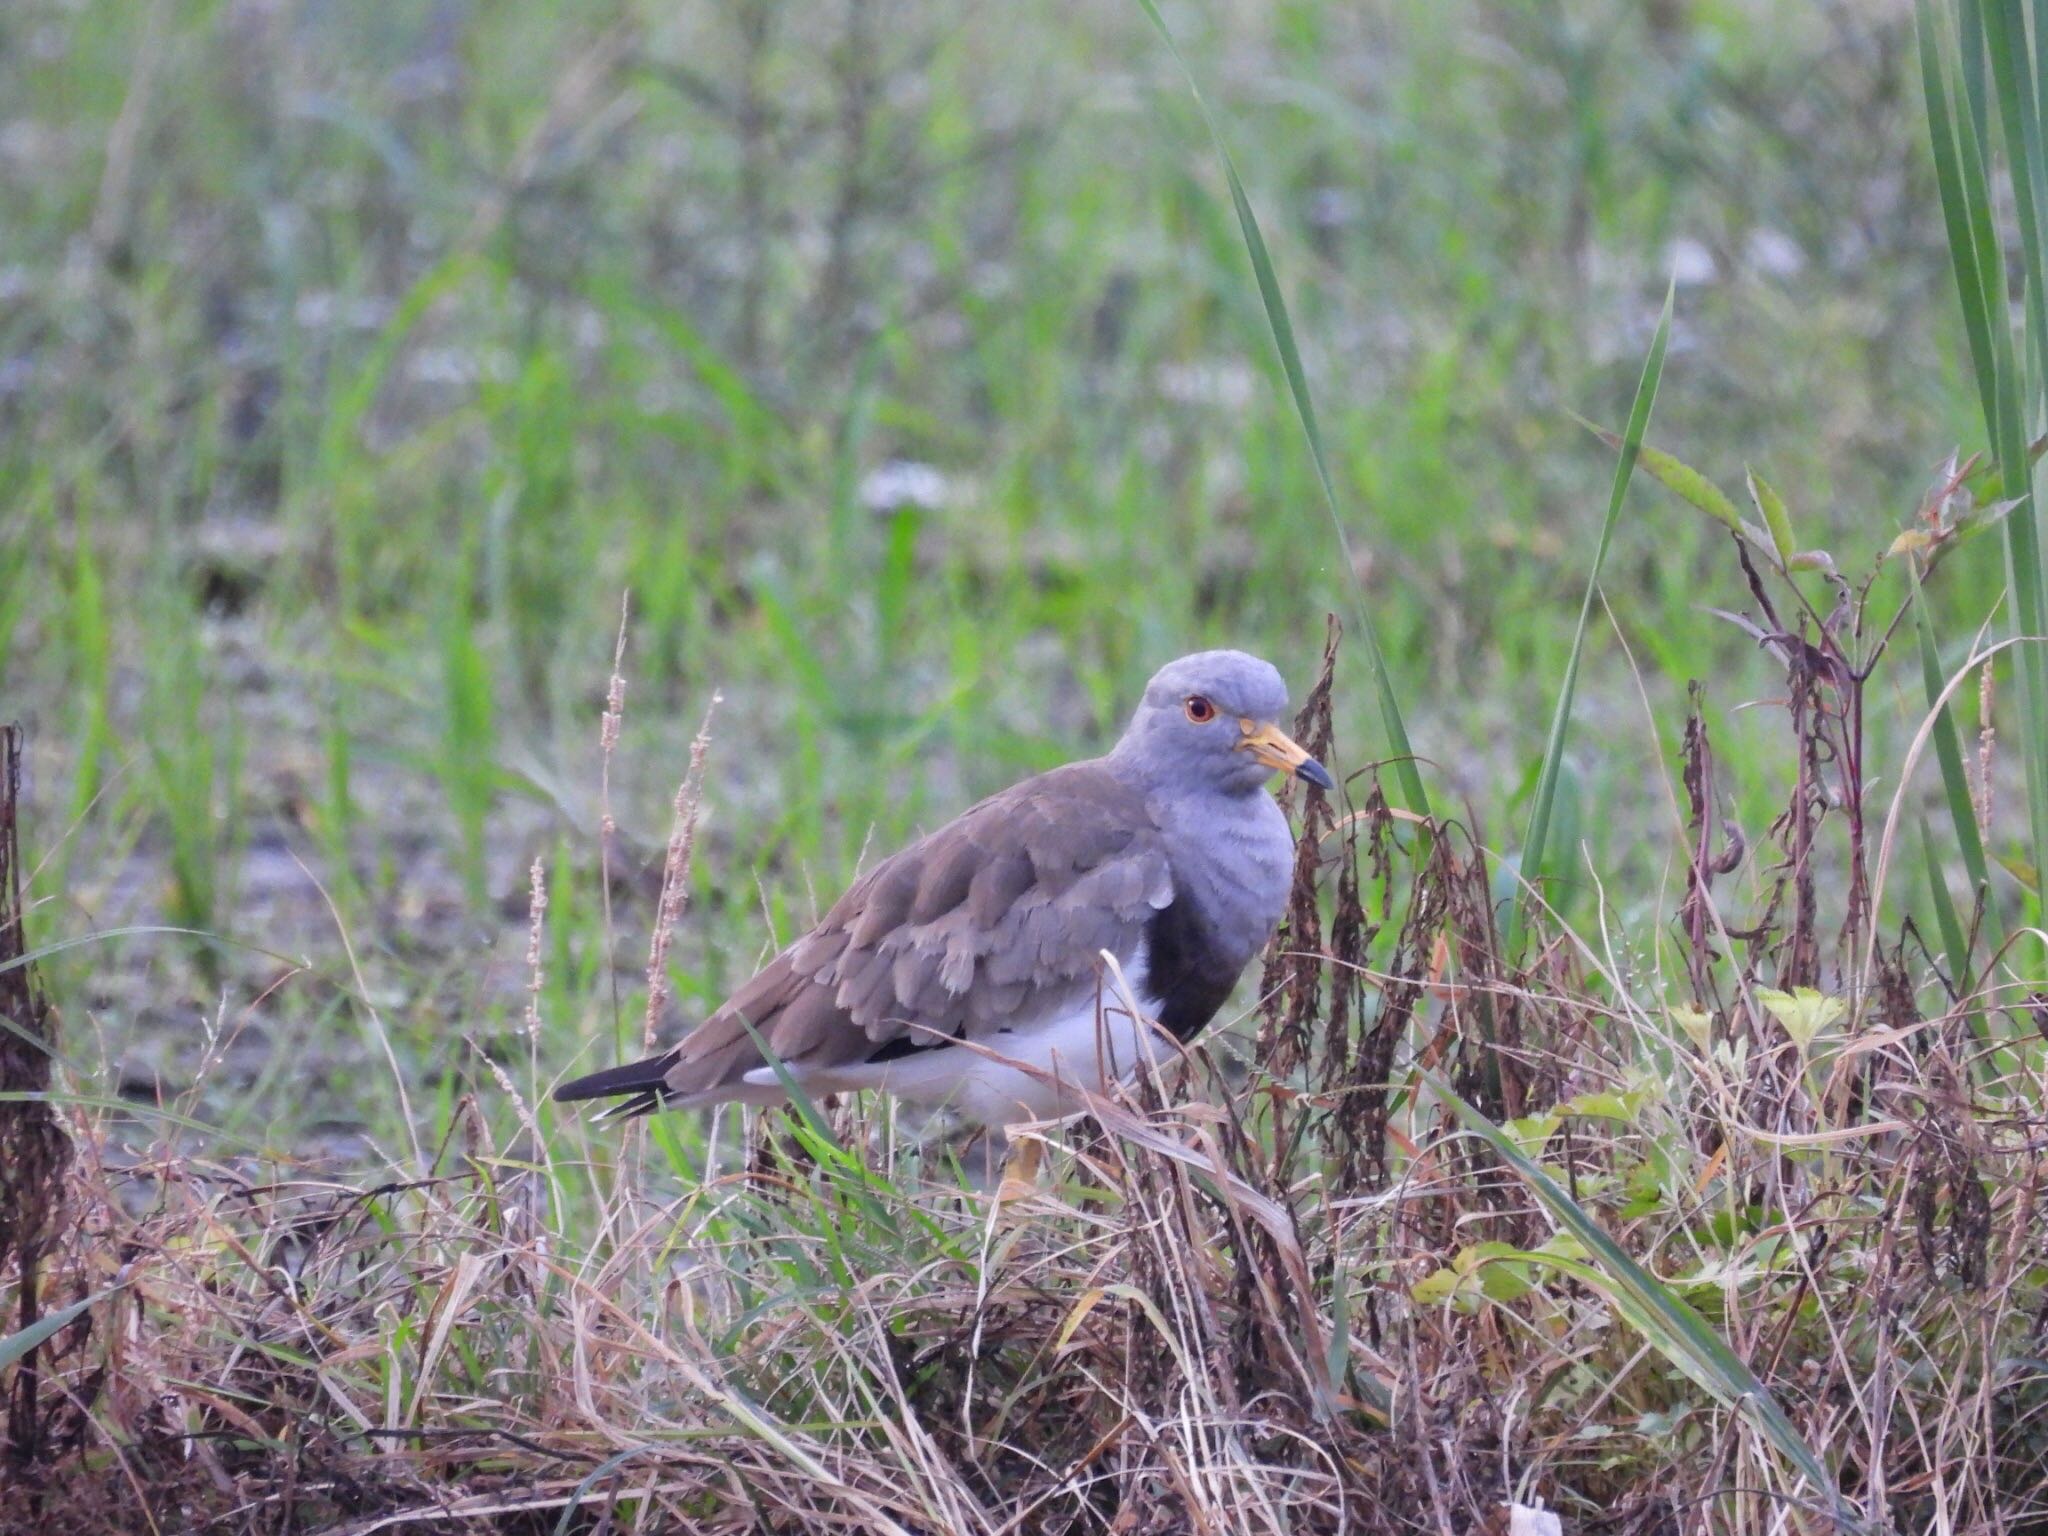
(903,364)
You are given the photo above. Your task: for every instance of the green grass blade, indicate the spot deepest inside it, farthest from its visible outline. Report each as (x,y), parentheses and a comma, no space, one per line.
(1948,749)
(18,1344)
(2020,399)
(820,1129)
(1936,71)
(1541,812)
(2008,436)
(1664,1318)
(1955,944)
(2006,38)
(1403,755)
(350,521)
(1954,79)
(152,930)
(1970,21)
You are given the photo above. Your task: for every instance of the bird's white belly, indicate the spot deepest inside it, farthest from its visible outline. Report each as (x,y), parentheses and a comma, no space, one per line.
(1023,1073)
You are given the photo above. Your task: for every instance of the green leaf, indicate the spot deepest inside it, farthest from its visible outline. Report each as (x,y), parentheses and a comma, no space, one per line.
(16,1345)
(1912,541)
(2021,870)
(1772,508)
(1936,71)
(1804,1012)
(1497,1272)
(1532,1133)
(1692,486)
(1676,476)
(1602,1104)
(1697,1023)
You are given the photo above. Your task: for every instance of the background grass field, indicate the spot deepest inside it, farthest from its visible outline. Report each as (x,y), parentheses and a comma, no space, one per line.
(354,371)
(902,367)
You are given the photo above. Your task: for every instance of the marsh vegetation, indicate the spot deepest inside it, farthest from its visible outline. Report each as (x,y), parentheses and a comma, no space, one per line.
(1642,1111)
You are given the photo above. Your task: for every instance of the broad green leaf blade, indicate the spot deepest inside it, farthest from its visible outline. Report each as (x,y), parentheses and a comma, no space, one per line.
(1666,1320)
(1282,327)
(1533,844)
(2007,431)
(18,1344)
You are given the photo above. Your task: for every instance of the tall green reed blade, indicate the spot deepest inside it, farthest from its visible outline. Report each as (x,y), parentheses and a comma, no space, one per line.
(1962,811)
(1955,81)
(2005,36)
(2018,113)
(1948,747)
(1544,807)
(1277,319)
(1954,942)
(1664,1318)
(1936,70)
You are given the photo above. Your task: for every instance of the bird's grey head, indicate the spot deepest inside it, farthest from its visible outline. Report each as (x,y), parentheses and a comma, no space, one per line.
(1210,721)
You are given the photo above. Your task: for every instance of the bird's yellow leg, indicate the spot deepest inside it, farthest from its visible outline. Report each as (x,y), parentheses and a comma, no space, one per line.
(1021,1170)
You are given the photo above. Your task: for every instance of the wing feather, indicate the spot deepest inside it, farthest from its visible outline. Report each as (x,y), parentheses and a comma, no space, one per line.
(991,921)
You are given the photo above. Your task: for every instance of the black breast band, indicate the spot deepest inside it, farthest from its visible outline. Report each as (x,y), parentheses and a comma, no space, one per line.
(1184,974)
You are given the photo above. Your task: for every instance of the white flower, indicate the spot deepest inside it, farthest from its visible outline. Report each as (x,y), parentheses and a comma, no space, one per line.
(904,483)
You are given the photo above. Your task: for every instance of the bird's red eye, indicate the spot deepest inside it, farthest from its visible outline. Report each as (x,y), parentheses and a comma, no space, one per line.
(1199,709)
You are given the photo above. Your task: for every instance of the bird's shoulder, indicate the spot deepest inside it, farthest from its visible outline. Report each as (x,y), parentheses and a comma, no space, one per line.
(1038,836)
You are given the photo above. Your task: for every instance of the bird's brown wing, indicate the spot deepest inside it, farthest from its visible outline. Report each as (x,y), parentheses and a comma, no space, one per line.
(994,919)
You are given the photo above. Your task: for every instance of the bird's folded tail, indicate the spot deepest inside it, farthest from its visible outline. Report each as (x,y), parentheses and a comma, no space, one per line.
(641,1086)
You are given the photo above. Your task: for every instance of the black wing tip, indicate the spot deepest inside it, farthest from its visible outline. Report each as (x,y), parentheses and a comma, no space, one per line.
(644,1080)
(639,1105)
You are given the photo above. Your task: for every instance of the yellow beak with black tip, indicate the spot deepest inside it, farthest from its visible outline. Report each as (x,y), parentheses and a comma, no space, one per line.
(1276,749)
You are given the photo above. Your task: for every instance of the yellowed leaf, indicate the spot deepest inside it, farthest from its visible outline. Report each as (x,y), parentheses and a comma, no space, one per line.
(1804,1012)
(1697,1023)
